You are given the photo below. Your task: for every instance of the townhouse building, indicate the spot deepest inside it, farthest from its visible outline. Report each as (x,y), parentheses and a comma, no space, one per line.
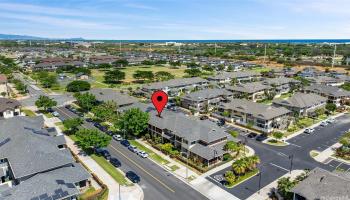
(253,91)
(302,104)
(333,94)
(9,108)
(326,80)
(265,118)
(205,100)
(281,85)
(36,164)
(239,76)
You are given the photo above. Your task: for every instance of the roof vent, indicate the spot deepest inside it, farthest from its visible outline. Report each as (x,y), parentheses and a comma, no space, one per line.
(321,179)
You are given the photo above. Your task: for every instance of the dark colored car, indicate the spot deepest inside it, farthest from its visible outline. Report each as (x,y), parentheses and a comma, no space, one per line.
(204,117)
(97,125)
(50,110)
(89,120)
(125,143)
(115,162)
(261,137)
(252,135)
(103,128)
(132,176)
(68,107)
(103,152)
(110,133)
(220,122)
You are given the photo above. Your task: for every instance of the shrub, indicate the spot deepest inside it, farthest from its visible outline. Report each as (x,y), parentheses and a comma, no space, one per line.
(77,86)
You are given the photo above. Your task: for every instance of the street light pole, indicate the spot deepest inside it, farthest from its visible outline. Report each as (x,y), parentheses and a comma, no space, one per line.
(259,182)
(291,163)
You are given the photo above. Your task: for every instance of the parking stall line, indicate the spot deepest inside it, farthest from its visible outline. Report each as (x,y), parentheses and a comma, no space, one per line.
(279,167)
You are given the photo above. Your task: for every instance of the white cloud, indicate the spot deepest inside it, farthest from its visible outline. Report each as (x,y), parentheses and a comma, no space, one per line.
(140,6)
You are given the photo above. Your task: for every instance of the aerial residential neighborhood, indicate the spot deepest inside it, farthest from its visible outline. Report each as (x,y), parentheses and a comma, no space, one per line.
(169,100)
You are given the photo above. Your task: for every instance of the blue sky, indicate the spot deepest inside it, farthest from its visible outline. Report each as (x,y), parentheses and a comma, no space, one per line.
(177,19)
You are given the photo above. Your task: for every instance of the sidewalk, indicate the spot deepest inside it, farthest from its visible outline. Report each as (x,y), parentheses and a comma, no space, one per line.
(197,182)
(264,192)
(129,193)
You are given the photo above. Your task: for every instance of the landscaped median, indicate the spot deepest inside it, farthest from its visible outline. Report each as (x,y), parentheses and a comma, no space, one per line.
(155,157)
(111,170)
(242,178)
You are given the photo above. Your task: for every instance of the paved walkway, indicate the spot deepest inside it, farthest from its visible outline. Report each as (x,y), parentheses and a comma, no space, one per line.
(128,193)
(264,192)
(196,181)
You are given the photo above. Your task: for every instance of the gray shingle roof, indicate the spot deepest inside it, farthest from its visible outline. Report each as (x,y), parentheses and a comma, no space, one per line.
(35,151)
(105,95)
(327,90)
(248,87)
(8,104)
(175,83)
(240,74)
(301,100)
(258,110)
(206,94)
(55,184)
(322,184)
(280,81)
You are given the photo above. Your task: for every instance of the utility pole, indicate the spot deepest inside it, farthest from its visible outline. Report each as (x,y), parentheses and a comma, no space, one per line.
(265,54)
(150,47)
(215,48)
(259,182)
(291,163)
(120,46)
(335,49)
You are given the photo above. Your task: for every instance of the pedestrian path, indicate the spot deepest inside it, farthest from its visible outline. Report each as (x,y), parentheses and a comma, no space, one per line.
(116,191)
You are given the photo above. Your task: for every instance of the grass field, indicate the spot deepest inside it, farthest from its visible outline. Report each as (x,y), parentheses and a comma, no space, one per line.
(29,113)
(129,71)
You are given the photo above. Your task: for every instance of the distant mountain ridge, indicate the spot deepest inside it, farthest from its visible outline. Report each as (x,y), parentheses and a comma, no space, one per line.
(28,37)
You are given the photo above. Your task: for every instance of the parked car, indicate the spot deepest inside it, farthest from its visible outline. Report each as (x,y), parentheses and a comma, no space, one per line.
(110,133)
(125,143)
(132,148)
(50,110)
(89,120)
(204,117)
(97,125)
(103,152)
(324,123)
(56,114)
(68,107)
(309,130)
(115,162)
(220,122)
(252,135)
(132,177)
(330,121)
(142,154)
(117,137)
(261,137)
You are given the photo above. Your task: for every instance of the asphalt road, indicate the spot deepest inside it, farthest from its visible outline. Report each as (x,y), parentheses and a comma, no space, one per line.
(34,93)
(157,183)
(276,161)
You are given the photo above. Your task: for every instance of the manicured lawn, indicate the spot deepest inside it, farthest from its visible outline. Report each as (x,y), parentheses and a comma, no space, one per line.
(285,96)
(73,137)
(129,71)
(151,154)
(60,125)
(29,113)
(174,168)
(246,176)
(110,169)
(48,115)
(275,143)
(87,193)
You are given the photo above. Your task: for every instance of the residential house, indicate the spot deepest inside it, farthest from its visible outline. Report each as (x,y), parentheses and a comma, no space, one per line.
(265,118)
(36,164)
(202,141)
(106,94)
(240,77)
(97,60)
(9,108)
(205,100)
(81,76)
(334,94)
(326,80)
(3,86)
(281,85)
(254,91)
(322,184)
(175,87)
(54,63)
(302,104)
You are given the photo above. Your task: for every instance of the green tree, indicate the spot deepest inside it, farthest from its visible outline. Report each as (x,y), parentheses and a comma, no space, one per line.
(239,166)
(252,162)
(72,124)
(105,111)
(167,147)
(230,177)
(331,107)
(78,86)
(45,102)
(234,133)
(163,76)
(114,76)
(143,75)
(121,63)
(284,185)
(90,138)
(134,121)
(193,72)
(346,86)
(278,135)
(85,100)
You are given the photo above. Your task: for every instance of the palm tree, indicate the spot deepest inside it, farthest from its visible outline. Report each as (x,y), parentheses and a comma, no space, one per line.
(252,161)
(239,166)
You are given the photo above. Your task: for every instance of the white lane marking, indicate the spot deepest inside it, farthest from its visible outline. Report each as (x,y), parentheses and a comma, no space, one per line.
(295,145)
(214,180)
(282,154)
(279,167)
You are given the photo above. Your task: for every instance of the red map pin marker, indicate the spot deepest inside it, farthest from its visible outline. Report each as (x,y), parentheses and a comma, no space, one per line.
(159,100)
